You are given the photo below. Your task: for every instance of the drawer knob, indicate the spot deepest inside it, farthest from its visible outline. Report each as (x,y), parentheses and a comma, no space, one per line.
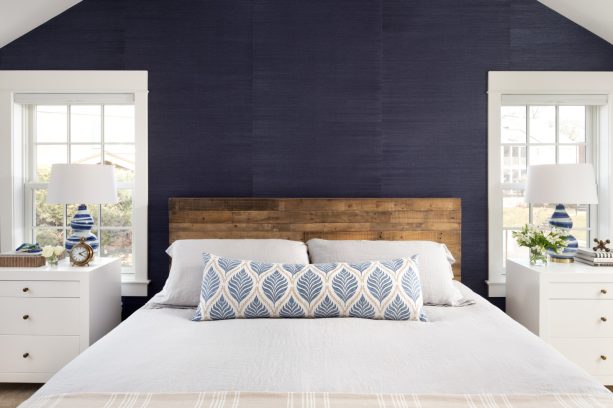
(603,291)
(24,290)
(26,355)
(603,318)
(25,317)
(603,357)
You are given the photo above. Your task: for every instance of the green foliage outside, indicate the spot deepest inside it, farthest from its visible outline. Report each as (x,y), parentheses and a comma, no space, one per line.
(116,242)
(516,217)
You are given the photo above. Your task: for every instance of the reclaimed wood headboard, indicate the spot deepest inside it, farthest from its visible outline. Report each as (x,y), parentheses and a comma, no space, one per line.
(300,219)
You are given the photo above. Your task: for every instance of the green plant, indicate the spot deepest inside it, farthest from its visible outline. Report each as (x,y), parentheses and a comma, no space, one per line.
(540,240)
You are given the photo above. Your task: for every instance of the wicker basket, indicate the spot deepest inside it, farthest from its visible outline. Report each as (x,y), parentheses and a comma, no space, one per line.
(22,261)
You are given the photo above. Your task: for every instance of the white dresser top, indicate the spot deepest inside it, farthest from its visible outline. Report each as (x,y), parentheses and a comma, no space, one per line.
(575,269)
(61,271)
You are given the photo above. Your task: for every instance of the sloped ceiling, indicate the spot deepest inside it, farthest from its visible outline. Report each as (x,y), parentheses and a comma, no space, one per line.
(594,15)
(17,17)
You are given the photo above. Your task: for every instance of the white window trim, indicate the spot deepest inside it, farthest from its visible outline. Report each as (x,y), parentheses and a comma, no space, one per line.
(11,150)
(598,84)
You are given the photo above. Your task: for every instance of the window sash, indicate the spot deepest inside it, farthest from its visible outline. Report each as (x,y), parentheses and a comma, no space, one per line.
(590,145)
(32,184)
(74,99)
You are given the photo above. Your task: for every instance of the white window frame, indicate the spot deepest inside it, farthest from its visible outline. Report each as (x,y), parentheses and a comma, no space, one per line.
(543,85)
(12,146)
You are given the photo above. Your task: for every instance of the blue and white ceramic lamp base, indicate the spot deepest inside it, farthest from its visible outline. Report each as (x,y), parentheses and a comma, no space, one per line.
(561,219)
(81,225)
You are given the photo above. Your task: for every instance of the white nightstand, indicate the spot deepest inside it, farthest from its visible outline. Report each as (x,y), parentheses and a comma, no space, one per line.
(49,315)
(570,306)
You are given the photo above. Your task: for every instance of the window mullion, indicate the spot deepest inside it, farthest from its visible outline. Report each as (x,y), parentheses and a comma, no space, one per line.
(103,159)
(530,215)
(557,134)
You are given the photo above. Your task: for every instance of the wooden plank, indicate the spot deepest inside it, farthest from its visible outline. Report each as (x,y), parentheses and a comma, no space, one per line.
(434,219)
(426,225)
(314,204)
(437,236)
(294,217)
(315,227)
(313,217)
(223,204)
(200,217)
(370,204)
(295,236)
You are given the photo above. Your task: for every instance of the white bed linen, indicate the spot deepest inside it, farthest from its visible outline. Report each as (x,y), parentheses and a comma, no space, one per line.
(472,349)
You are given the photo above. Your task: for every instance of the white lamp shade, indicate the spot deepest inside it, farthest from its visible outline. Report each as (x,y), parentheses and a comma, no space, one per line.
(82,184)
(561,184)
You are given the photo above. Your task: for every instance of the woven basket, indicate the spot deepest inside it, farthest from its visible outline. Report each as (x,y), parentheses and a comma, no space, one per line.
(21,261)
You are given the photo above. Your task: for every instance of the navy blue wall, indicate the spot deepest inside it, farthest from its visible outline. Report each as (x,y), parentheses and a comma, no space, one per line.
(315,98)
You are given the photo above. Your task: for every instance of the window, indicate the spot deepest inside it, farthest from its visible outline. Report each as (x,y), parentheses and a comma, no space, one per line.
(536,118)
(51,117)
(541,134)
(84,134)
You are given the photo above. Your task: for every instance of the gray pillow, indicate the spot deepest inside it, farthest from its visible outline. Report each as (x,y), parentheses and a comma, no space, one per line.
(182,287)
(434,262)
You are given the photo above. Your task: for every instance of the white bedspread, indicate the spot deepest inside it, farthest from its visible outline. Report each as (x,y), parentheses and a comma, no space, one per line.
(473,349)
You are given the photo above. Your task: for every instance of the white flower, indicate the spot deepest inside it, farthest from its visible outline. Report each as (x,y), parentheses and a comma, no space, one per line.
(58,250)
(48,251)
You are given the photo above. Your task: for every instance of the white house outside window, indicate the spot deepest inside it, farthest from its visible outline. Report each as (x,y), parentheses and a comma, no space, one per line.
(544,117)
(541,134)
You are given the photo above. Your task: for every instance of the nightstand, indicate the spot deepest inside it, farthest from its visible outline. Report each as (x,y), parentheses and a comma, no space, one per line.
(570,306)
(49,315)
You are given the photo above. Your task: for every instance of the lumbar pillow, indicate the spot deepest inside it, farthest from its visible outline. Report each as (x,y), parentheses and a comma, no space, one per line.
(248,289)
(435,262)
(183,283)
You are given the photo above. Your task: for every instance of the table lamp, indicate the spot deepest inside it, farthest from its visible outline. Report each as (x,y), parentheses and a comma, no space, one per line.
(562,184)
(78,184)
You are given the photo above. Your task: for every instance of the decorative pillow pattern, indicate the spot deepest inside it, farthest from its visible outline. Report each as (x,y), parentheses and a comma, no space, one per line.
(435,273)
(247,289)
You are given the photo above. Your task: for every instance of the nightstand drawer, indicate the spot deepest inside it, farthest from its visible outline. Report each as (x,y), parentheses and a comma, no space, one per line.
(51,316)
(581,318)
(37,354)
(588,353)
(28,289)
(576,290)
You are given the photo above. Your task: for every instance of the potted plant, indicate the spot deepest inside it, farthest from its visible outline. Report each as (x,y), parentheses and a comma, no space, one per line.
(539,240)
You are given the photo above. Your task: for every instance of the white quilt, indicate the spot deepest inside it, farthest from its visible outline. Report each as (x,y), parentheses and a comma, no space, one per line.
(465,350)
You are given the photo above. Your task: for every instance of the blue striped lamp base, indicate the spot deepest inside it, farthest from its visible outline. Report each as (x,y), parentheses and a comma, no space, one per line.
(561,219)
(81,225)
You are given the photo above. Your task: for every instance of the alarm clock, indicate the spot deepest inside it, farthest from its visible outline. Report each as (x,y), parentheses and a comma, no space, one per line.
(81,254)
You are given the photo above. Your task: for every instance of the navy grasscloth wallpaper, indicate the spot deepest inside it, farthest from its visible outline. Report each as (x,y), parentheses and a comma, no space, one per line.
(314,98)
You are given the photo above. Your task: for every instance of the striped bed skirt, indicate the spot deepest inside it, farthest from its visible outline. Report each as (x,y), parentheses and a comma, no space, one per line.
(316,400)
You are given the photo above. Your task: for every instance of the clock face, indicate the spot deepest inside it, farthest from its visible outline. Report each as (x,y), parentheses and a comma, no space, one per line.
(80,254)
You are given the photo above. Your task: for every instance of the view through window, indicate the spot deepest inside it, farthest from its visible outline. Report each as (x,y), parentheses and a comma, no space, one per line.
(89,134)
(540,135)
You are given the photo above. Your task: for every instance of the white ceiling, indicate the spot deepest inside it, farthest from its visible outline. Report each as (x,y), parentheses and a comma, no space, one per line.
(594,15)
(17,17)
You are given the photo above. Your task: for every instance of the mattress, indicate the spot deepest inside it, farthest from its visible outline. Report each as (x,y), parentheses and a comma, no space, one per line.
(475,349)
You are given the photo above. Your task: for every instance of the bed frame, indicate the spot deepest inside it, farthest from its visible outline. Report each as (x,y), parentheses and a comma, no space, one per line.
(300,219)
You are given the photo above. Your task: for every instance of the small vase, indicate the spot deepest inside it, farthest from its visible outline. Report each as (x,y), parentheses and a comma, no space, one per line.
(52,261)
(538,257)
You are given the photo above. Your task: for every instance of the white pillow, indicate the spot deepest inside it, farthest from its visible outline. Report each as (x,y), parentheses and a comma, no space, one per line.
(434,262)
(182,287)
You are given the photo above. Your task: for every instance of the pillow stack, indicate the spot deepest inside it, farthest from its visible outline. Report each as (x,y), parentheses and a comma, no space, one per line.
(435,262)
(248,278)
(182,287)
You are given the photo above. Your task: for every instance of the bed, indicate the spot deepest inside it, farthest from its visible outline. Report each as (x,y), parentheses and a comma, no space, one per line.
(471,356)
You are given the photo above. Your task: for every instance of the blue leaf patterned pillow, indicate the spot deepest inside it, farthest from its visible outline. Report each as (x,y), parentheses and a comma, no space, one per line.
(234,289)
